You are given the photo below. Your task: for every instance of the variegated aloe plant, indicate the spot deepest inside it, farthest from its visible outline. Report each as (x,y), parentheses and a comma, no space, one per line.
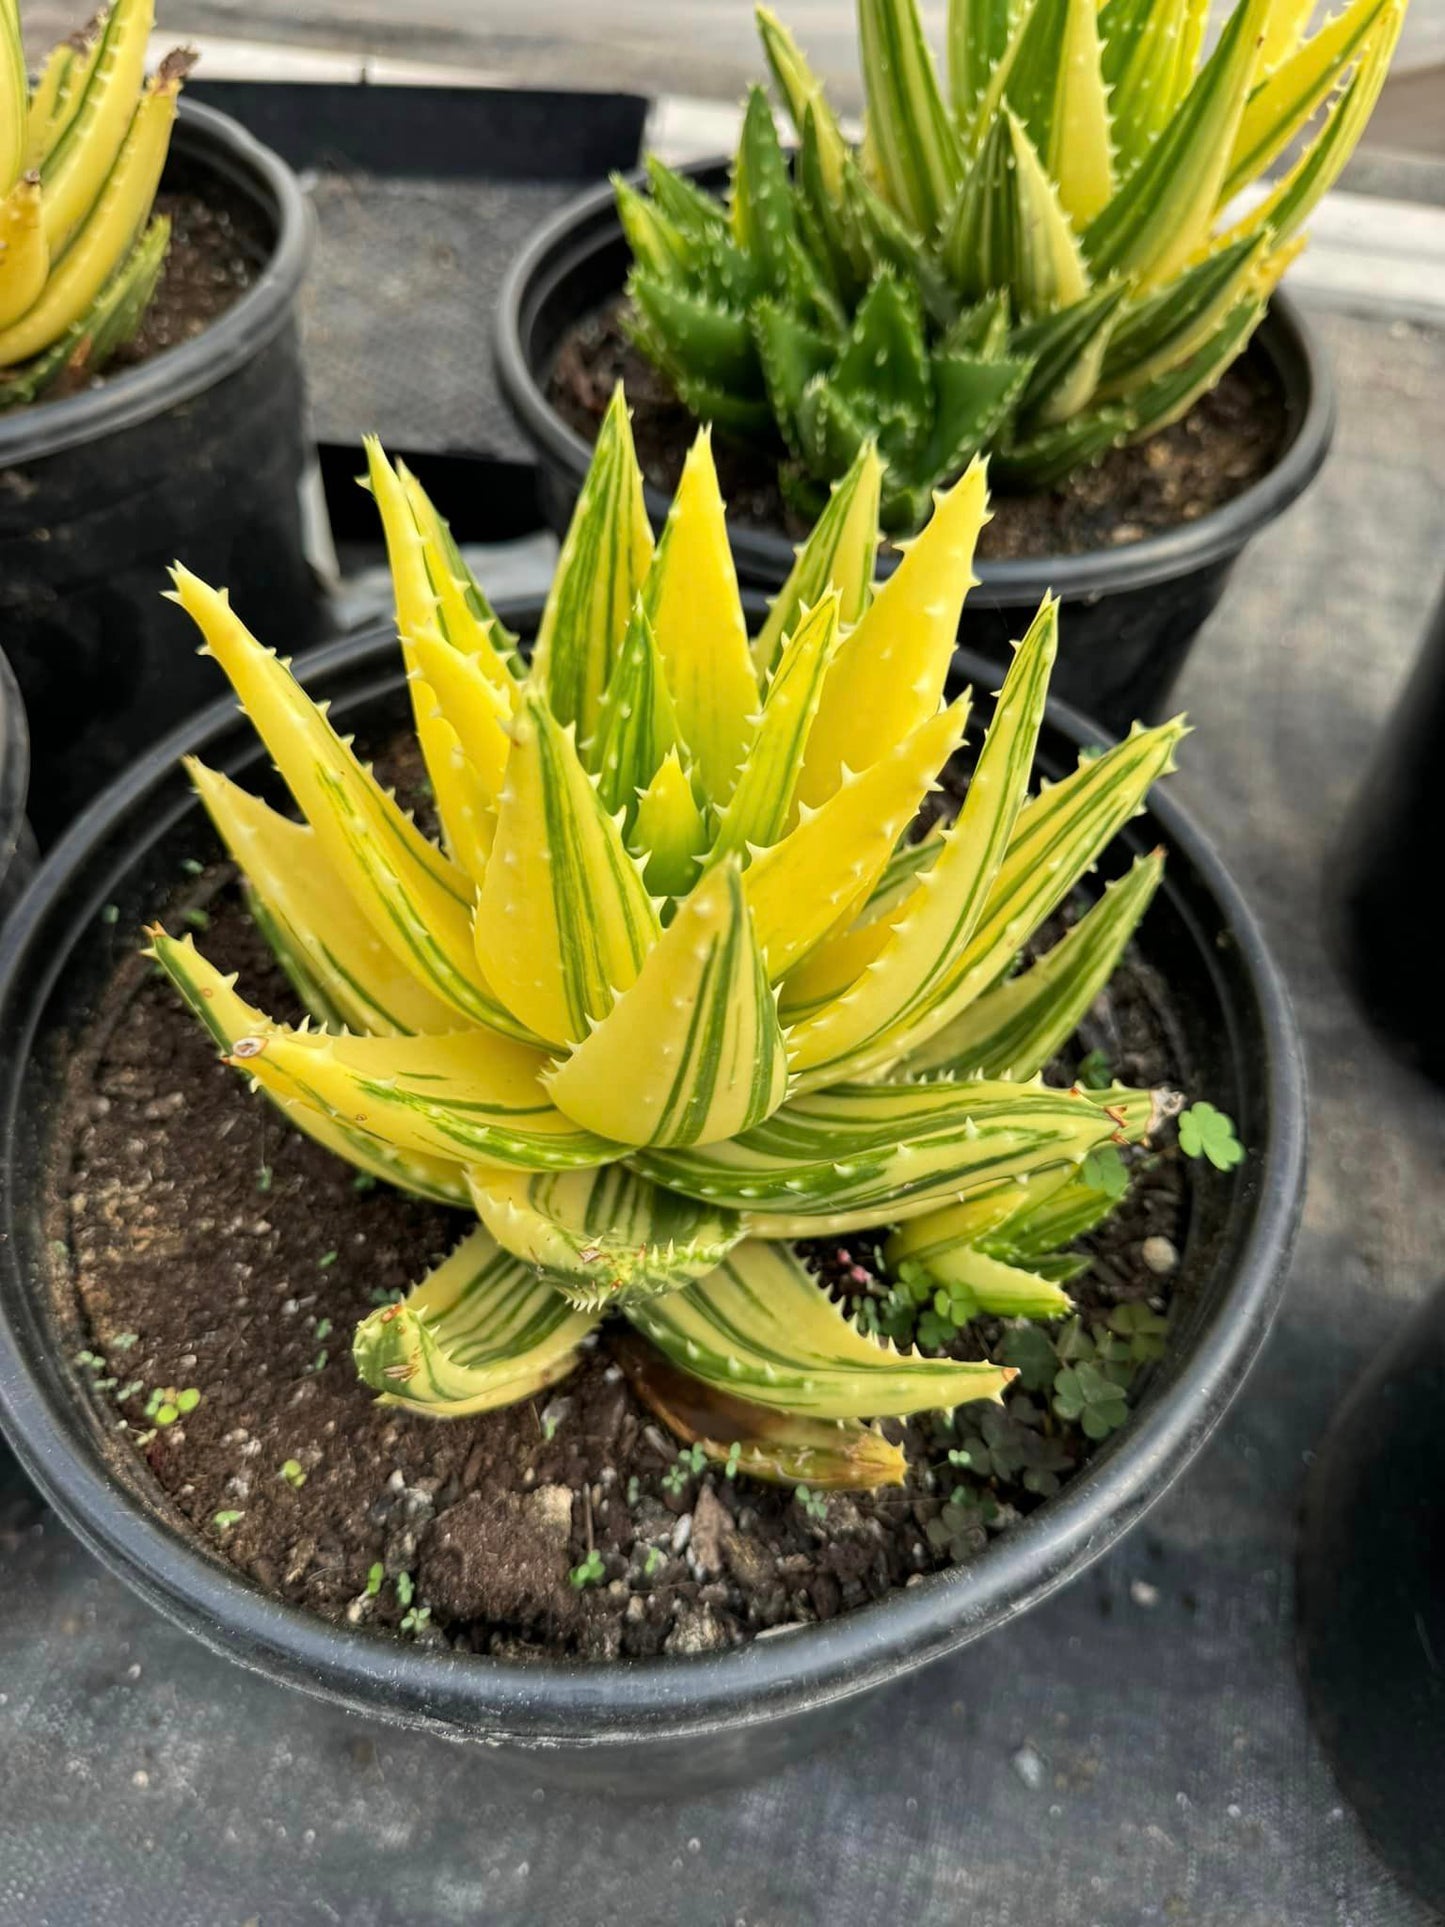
(1043,259)
(80,160)
(676,988)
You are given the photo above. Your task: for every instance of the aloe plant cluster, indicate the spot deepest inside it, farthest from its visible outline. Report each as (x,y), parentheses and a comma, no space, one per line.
(81,155)
(1040,258)
(680,984)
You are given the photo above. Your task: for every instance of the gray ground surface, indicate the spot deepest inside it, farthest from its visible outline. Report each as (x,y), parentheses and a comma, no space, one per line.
(142,1780)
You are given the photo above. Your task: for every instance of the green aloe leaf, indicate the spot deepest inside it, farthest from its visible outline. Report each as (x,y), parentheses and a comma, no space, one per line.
(911,131)
(636,722)
(840,552)
(762,210)
(1056,87)
(603,1237)
(792,354)
(1008,229)
(1150,50)
(482,1331)
(1169,396)
(762,1327)
(1067,351)
(1166,328)
(1046,456)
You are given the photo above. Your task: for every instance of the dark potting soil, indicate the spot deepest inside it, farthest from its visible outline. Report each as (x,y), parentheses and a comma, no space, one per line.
(1228,440)
(214,1263)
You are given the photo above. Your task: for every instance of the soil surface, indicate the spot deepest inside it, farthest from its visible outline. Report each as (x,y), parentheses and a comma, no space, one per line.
(1228,440)
(221,1261)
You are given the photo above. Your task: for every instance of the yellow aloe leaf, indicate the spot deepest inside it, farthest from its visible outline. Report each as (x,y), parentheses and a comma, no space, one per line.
(24,257)
(1283,31)
(324,935)
(600,572)
(846,952)
(828,1455)
(478,711)
(670,833)
(470,1095)
(1059,834)
(14,97)
(1014,1029)
(698,626)
(840,551)
(888,675)
(1056,86)
(603,1237)
(1283,102)
(228,1017)
(692,1052)
(822,872)
(1150,52)
(481,1331)
(109,231)
(762,1327)
(854,1155)
(467,619)
(77,169)
(998,1289)
(977,1218)
(1156,222)
(930,931)
(418,902)
(564,919)
(762,797)
(636,723)
(801,89)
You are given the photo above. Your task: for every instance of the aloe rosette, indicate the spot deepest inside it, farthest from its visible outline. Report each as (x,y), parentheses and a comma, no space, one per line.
(679,985)
(1045,257)
(81,155)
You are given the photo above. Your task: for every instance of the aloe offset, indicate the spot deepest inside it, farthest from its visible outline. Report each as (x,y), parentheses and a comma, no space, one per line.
(676,987)
(81,155)
(1042,259)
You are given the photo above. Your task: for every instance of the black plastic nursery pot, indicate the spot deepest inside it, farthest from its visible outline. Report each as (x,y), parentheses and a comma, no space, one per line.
(200,452)
(17,845)
(1129,614)
(633,1724)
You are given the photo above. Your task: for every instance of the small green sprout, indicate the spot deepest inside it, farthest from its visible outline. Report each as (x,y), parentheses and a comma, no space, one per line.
(111,913)
(690,1461)
(196,917)
(405,1589)
(415,1618)
(550,1422)
(123,1341)
(318,1364)
(591,1572)
(223,1521)
(294,1473)
(734,1459)
(327,1260)
(1209,1133)
(634,1489)
(264,1177)
(363,1182)
(1083,1392)
(1095,1073)
(165,1405)
(323,1328)
(192,866)
(654,1562)
(374,1578)
(376,1296)
(813,1503)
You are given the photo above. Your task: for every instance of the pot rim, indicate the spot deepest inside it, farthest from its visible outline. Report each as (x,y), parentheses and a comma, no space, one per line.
(177,374)
(1299,362)
(575,1704)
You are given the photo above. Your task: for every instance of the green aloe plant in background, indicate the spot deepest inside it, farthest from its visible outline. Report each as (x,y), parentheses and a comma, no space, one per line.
(679,985)
(1041,259)
(81,155)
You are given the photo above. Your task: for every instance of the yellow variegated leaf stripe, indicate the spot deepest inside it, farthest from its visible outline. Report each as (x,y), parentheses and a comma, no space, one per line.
(1000,1290)
(930,931)
(600,572)
(1015,1029)
(604,1237)
(889,673)
(840,553)
(698,626)
(417,902)
(692,1052)
(13,96)
(323,933)
(467,619)
(670,830)
(912,139)
(564,919)
(1009,230)
(213,999)
(24,257)
(838,1160)
(820,873)
(776,1446)
(80,158)
(636,723)
(760,1326)
(1057,87)
(484,1330)
(762,798)
(471,1096)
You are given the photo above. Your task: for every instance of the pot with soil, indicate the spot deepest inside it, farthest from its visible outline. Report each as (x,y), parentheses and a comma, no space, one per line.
(191,440)
(617,1494)
(1138,547)
(17,845)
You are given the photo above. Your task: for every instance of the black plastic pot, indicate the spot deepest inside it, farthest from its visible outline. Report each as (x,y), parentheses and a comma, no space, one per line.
(1129,614)
(17,845)
(199,453)
(637,1725)
(1383,910)
(1372,1600)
